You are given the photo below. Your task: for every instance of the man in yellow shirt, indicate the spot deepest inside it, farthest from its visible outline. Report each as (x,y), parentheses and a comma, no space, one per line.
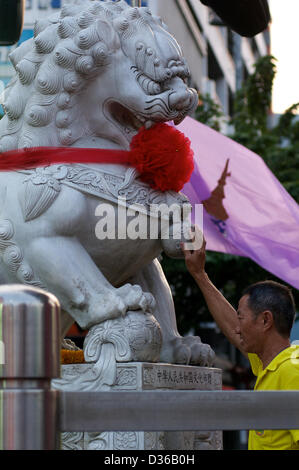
(260,329)
(281,374)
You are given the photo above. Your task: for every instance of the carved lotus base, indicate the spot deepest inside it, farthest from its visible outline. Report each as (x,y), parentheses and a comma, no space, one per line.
(145,376)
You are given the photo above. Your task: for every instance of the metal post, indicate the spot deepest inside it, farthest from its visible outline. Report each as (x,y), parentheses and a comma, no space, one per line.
(30,339)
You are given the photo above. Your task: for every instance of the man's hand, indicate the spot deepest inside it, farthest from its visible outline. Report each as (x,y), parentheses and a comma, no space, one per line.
(195,259)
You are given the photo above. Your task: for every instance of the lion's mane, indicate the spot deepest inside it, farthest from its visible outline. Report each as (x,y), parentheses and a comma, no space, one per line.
(51,69)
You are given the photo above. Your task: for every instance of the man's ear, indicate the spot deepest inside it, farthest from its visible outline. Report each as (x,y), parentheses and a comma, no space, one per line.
(268,320)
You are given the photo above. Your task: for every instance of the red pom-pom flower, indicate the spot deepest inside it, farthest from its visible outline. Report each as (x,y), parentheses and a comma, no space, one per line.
(163,157)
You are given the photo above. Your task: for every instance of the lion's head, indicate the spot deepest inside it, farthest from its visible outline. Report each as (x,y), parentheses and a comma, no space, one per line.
(96,68)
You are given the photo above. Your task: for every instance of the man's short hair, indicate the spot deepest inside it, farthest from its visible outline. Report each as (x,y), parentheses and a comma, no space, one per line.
(276,297)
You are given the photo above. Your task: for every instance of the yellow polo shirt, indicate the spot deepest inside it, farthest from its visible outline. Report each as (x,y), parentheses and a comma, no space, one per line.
(281,374)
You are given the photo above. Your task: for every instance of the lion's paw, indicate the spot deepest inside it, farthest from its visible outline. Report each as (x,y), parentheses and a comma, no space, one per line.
(135,299)
(188,350)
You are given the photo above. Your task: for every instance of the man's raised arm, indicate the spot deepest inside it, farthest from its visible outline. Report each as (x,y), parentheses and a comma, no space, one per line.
(221,310)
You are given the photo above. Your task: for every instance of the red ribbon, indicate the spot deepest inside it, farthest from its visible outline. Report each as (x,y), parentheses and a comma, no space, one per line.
(34,157)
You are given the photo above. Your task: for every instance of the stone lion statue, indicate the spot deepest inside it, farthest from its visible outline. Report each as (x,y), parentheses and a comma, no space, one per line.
(92,76)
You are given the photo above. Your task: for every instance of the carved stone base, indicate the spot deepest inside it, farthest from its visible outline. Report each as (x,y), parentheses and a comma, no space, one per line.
(146,376)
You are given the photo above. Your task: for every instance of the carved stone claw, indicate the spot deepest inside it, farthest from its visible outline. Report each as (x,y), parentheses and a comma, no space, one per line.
(188,350)
(203,354)
(135,298)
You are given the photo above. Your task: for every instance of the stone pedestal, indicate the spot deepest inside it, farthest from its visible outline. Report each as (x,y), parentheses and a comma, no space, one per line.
(144,376)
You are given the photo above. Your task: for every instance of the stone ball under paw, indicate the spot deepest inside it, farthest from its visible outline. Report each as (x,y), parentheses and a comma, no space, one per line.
(144,335)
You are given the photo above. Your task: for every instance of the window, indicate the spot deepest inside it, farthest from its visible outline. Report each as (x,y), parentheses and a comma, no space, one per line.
(56,3)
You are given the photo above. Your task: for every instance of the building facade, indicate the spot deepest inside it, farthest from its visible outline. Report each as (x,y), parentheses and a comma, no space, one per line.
(219,59)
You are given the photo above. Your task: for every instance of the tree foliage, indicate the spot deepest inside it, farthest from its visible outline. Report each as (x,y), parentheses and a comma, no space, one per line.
(278,145)
(209,112)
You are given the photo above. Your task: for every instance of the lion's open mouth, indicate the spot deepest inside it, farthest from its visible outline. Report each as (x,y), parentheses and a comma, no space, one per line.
(127,119)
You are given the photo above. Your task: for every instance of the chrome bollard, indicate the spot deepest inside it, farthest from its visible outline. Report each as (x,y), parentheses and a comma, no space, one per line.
(29,359)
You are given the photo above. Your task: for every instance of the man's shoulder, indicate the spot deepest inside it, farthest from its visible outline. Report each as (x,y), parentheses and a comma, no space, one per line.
(286,363)
(288,368)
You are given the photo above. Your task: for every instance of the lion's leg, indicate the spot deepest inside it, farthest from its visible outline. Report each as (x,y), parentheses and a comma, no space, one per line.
(176,349)
(65,268)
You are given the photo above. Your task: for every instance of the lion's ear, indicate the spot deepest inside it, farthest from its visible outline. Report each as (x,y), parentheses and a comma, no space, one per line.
(108,35)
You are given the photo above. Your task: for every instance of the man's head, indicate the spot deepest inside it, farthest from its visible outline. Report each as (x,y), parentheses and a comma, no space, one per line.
(265,307)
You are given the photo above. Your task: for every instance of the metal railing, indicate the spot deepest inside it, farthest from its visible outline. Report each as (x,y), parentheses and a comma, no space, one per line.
(32,416)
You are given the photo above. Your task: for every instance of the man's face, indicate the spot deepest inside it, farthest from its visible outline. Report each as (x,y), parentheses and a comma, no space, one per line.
(249,327)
